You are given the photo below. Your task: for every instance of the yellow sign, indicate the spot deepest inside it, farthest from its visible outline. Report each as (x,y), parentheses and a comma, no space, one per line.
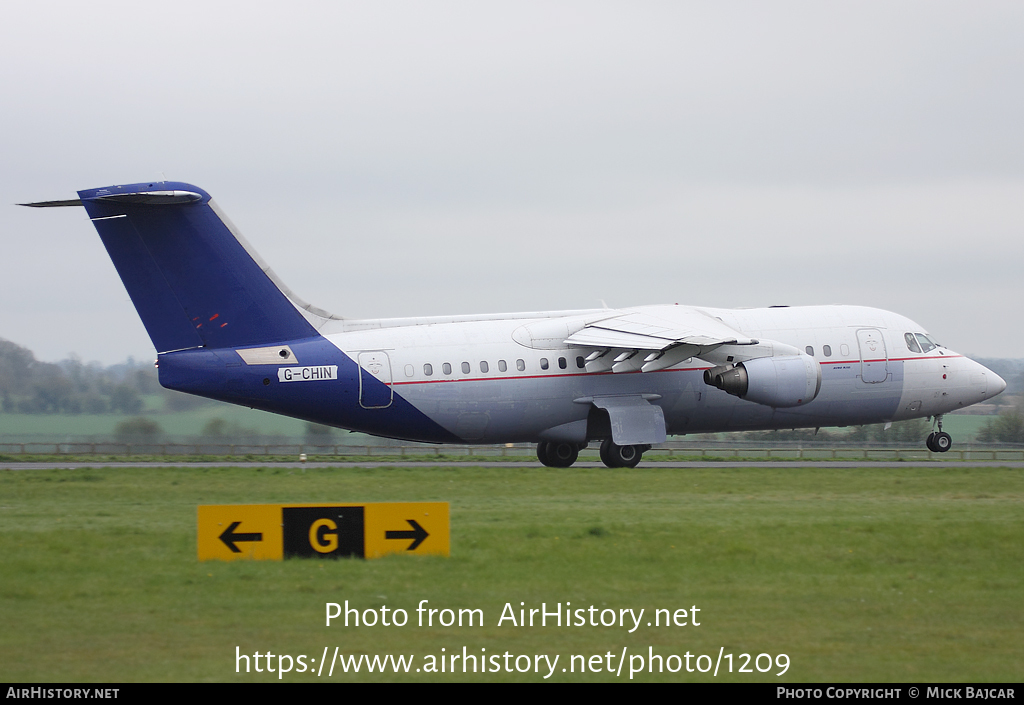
(275,531)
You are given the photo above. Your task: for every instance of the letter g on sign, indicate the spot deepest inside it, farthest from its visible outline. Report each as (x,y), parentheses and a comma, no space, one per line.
(324,542)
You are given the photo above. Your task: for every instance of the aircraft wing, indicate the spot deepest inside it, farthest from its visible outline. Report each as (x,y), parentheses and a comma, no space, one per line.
(650,341)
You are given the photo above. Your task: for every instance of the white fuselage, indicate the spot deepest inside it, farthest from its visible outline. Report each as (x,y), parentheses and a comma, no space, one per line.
(476,378)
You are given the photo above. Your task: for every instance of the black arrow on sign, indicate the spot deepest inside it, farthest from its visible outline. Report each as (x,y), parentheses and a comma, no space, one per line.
(418,534)
(229,537)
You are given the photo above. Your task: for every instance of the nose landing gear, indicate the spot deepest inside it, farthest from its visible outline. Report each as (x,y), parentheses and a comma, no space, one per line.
(939,442)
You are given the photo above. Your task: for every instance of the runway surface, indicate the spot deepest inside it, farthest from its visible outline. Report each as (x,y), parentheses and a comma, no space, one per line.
(837,464)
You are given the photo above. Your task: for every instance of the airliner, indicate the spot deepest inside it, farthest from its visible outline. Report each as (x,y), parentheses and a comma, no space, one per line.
(226,327)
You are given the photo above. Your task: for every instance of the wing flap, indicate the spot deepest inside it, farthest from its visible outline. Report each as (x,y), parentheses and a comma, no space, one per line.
(592,337)
(670,325)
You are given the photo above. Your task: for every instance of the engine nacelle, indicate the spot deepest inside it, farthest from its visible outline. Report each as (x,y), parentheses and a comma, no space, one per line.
(784,381)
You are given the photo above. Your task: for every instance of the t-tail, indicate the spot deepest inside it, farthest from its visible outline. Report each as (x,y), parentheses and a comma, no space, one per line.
(193,279)
(224,326)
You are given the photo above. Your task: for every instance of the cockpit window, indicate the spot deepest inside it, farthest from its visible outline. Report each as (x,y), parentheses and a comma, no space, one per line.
(912,342)
(927,344)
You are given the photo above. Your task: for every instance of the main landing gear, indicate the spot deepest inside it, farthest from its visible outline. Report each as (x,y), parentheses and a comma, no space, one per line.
(616,456)
(939,442)
(555,454)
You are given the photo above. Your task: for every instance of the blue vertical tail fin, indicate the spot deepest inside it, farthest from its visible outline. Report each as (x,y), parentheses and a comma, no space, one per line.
(191,278)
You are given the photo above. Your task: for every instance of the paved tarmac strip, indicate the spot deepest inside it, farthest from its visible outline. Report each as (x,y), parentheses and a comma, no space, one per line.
(512,465)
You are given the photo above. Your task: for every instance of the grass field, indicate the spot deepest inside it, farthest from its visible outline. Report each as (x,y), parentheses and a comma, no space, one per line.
(874,574)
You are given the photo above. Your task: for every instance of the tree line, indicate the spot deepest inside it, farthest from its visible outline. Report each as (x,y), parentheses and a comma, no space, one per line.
(30,386)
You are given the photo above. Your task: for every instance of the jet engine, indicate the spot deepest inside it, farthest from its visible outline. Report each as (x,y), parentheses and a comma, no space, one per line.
(787,380)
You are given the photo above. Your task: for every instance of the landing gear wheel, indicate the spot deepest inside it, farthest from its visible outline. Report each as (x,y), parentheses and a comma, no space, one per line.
(542,453)
(557,455)
(562,455)
(938,442)
(616,456)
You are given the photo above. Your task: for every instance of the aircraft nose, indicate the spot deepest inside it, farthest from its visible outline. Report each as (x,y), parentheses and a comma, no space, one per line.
(996,384)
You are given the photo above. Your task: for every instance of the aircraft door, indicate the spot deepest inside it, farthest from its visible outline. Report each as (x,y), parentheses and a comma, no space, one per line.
(374,380)
(874,361)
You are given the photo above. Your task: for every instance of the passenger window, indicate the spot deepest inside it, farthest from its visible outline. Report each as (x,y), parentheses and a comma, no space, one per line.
(827,350)
(521,365)
(428,369)
(543,363)
(911,342)
(409,371)
(844,349)
(502,366)
(580,362)
(483,366)
(562,363)
(465,368)
(446,368)
(810,350)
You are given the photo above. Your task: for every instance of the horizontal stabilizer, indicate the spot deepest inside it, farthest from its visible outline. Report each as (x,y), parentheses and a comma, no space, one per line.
(53,204)
(153,198)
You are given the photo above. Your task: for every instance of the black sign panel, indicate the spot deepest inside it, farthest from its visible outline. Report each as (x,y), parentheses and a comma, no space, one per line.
(323,532)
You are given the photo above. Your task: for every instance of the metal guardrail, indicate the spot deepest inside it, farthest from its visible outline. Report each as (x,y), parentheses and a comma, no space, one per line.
(972,452)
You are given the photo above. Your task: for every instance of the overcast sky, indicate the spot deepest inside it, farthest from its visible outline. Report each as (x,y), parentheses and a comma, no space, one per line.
(421,158)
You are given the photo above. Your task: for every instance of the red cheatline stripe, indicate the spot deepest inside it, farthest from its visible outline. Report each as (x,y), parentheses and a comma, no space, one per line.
(575,374)
(685,369)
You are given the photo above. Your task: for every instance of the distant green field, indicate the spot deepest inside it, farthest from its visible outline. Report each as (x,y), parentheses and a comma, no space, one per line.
(963,427)
(874,574)
(183,423)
